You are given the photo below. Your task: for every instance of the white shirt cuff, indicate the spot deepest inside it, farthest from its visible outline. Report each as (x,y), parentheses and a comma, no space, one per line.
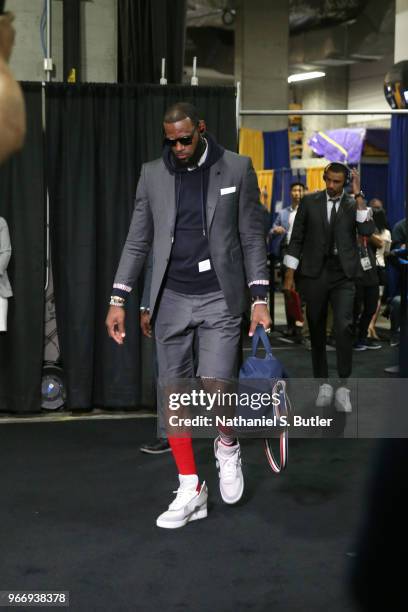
(363,215)
(291,262)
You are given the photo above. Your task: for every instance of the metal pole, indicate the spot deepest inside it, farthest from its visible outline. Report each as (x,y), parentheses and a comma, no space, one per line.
(47,197)
(403,348)
(48,69)
(341,111)
(48,59)
(238,109)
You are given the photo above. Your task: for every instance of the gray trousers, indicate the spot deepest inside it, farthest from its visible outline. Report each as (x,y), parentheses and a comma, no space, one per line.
(178,317)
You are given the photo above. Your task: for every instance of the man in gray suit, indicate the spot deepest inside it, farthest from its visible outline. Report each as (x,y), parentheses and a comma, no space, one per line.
(199,206)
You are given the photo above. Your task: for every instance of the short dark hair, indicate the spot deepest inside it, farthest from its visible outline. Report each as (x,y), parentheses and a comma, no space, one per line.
(380,219)
(375,200)
(179,111)
(337,167)
(297,184)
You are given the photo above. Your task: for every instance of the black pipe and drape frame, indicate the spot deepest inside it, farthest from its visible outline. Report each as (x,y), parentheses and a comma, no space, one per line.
(96,139)
(150,30)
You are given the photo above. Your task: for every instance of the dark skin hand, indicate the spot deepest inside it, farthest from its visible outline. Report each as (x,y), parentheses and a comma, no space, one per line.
(115,323)
(145,324)
(260,316)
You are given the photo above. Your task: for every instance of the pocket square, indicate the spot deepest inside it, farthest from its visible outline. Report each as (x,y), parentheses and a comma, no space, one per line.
(225,190)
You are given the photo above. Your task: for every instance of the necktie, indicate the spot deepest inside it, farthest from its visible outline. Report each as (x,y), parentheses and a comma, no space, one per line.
(332,223)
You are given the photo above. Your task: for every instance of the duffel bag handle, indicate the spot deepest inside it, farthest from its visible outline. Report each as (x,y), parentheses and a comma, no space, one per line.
(260,335)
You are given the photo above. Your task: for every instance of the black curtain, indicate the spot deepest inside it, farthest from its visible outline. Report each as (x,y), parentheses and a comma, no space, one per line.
(91,157)
(97,138)
(148,31)
(22,204)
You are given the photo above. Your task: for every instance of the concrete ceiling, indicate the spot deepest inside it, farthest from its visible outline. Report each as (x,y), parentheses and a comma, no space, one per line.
(303,14)
(322,32)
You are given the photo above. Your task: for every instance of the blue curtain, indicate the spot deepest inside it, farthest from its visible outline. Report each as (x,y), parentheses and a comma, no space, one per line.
(276,150)
(374,181)
(398,169)
(378,138)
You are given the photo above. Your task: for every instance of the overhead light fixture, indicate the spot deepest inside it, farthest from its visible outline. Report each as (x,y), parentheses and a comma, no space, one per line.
(305,76)
(228,16)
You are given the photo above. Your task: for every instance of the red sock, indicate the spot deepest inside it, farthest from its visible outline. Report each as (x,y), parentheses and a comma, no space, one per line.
(183,455)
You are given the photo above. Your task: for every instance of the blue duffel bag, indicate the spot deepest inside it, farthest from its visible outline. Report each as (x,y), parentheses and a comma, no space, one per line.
(266,375)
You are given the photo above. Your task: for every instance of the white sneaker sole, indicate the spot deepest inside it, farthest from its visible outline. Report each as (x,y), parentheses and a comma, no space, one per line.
(152,452)
(324,403)
(341,408)
(230,501)
(199,513)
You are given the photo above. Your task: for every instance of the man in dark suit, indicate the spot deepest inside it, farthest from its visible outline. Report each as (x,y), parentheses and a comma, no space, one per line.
(324,248)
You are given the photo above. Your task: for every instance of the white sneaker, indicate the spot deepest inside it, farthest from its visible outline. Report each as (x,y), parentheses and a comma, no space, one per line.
(228,462)
(325,396)
(189,504)
(342,400)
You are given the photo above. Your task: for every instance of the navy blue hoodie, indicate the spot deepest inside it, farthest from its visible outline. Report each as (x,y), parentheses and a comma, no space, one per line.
(190,236)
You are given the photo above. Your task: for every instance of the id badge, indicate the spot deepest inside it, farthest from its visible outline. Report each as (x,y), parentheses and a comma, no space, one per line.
(366,263)
(204,266)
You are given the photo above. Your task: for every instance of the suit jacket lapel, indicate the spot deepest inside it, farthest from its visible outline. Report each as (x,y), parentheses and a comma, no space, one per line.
(169,197)
(343,206)
(213,194)
(323,211)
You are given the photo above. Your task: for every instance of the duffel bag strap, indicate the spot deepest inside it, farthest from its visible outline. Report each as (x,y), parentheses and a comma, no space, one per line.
(279,466)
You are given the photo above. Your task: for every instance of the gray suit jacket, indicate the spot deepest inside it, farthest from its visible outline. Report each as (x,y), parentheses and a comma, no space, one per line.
(5,254)
(235,228)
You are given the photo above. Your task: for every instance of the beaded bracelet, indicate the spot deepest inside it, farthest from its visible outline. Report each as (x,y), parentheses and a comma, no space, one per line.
(115,300)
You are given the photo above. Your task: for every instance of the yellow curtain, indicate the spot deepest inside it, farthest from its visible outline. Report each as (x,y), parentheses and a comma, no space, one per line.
(314,179)
(251,143)
(265,182)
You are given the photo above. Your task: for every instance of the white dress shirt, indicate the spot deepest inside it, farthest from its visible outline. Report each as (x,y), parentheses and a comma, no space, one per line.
(361,216)
(291,221)
(330,204)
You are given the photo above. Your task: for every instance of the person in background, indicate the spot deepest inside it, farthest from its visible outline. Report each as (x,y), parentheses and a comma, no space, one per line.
(12,109)
(324,248)
(399,235)
(280,235)
(5,288)
(367,292)
(399,241)
(383,232)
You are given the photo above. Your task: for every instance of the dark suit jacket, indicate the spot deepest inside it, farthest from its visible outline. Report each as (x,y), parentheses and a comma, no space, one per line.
(310,235)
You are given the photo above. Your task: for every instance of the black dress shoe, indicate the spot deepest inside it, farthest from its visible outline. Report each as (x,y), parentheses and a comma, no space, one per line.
(157,447)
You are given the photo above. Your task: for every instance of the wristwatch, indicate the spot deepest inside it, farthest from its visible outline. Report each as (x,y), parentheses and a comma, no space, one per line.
(360,194)
(144,309)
